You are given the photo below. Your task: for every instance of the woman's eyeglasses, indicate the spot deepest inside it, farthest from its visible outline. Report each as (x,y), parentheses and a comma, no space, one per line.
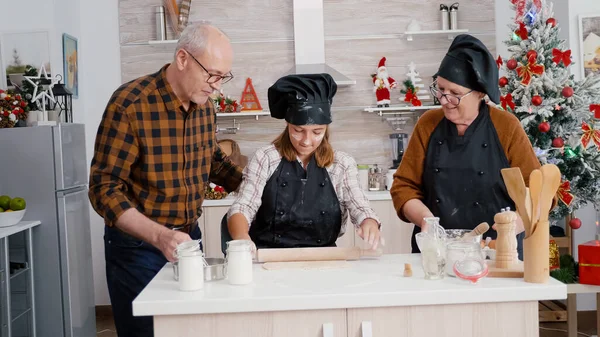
(451,99)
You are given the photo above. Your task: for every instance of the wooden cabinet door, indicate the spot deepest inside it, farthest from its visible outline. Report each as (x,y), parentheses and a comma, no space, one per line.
(211,236)
(395,232)
(465,320)
(313,323)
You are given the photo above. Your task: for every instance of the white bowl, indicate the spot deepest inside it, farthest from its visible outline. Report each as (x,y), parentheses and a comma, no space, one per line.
(11,218)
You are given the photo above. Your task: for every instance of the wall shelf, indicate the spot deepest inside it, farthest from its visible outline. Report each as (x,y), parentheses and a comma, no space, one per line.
(400,109)
(450,33)
(254,114)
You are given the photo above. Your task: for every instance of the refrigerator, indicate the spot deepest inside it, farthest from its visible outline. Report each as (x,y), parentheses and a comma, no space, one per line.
(47,166)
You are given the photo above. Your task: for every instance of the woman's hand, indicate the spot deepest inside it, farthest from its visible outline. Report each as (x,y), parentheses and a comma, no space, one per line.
(369,231)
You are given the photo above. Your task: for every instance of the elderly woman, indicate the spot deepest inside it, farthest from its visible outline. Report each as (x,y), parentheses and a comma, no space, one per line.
(298,191)
(451,168)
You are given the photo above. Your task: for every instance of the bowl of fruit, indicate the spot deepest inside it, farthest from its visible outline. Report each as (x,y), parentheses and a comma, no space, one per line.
(12,210)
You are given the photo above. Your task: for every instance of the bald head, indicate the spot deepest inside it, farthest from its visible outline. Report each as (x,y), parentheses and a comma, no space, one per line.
(196,38)
(203,54)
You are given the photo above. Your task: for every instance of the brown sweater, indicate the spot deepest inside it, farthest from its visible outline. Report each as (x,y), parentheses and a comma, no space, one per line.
(408,178)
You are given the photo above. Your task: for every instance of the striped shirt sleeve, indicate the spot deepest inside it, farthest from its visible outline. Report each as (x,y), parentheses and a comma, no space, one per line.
(353,196)
(255,177)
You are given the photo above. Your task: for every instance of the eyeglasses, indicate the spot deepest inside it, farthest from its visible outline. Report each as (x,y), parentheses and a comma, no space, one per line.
(213,78)
(452,99)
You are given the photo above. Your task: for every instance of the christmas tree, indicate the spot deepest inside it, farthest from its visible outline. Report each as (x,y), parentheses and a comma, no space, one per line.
(413,75)
(556,111)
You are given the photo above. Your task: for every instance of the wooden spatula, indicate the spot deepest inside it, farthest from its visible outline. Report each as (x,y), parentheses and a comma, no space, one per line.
(550,184)
(535,190)
(518,193)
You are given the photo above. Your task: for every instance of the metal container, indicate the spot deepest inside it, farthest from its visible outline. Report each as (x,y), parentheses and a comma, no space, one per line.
(213,272)
(454,16)
(444,17)
(161,23)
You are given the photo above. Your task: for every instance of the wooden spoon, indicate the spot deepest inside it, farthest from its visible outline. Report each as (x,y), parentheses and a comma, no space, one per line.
(535,190)
(550,185)
(518,193)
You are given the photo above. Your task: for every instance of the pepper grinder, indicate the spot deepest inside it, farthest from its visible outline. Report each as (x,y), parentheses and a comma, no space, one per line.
(506,242)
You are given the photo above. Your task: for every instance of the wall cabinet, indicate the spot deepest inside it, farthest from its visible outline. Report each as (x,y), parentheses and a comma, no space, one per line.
(395,232)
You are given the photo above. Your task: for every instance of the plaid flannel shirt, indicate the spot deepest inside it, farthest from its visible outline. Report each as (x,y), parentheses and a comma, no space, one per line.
(152,155)
(344,178)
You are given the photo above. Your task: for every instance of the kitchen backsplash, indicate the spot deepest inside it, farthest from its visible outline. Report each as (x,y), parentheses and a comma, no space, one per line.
(357,34)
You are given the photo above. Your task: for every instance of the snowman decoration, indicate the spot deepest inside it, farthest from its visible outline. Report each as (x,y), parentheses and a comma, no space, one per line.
(382,84)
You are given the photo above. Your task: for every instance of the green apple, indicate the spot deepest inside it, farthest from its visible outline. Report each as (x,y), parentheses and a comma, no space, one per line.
(5,202)
(17,204)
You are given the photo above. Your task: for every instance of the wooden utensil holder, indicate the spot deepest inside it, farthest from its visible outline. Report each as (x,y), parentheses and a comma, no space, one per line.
(536,254)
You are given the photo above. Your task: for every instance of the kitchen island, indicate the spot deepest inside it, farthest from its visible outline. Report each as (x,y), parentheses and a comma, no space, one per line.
(366,298)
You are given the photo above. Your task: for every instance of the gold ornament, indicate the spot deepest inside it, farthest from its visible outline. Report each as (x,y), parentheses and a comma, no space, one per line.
(554,256)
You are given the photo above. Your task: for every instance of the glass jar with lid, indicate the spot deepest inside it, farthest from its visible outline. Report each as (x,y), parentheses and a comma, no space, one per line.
(457,251)
(239,261)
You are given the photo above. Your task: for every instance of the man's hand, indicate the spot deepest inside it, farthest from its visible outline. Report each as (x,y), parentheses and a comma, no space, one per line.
(168,241)
(369,231)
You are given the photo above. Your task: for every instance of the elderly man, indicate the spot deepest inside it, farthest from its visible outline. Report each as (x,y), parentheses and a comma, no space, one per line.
(155,151)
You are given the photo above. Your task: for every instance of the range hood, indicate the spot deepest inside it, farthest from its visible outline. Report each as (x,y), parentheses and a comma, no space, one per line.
(309,42)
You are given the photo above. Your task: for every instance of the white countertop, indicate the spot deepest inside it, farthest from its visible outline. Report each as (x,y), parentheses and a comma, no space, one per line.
(228,201)
(21,226)
(364,283)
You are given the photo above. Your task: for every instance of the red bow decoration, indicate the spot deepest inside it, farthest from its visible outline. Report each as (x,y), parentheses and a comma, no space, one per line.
(507,101)
(409,96)
(589,134)
(532,68)
(564,194)
(522,31)
(499,61)
(412,98)
(595,108)
(558,55)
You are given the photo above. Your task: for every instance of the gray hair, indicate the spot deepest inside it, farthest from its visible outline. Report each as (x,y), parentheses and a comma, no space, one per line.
(195,37)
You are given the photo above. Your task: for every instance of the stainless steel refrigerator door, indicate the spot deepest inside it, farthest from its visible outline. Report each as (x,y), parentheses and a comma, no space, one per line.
(69,153)
(76,263)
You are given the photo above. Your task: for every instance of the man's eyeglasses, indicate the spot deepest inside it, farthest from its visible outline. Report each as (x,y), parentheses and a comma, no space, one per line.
(452,99)
(213,78)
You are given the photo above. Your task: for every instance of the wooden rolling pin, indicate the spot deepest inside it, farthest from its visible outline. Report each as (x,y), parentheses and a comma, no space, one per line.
(314,254)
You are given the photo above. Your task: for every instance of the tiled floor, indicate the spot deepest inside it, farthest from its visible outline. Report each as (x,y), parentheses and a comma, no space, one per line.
(587,325)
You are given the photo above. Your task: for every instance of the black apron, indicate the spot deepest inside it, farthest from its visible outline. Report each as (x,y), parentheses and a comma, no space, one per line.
(299,208)
(463,185)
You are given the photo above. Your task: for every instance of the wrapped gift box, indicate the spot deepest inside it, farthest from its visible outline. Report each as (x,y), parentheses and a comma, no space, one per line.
(589,262)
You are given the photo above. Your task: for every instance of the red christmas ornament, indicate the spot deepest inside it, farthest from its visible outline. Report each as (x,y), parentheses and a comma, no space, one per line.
(567,92)
(511,64)
(544,127)
(503,81)
(558,142)
(595,108)
(532,54)
(575,223)
(536,100)
(551,21)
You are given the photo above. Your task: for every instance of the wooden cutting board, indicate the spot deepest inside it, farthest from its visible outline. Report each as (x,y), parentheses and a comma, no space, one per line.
(309,265)
(314,254)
